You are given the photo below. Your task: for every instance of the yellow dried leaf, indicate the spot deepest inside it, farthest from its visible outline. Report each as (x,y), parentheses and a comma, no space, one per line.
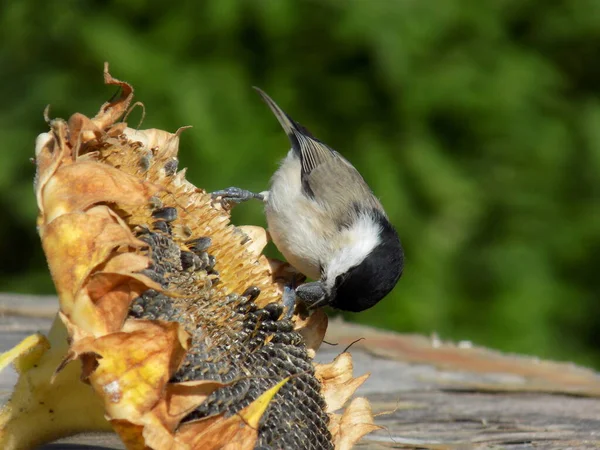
(26,353)
(238,432)
(132,367)
(87,242)
(58,407)
(254,411)
(130,434)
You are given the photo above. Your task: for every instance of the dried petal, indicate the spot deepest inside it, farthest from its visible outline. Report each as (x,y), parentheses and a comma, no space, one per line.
(353,424)
(338,382)
(258,239)
(26,353)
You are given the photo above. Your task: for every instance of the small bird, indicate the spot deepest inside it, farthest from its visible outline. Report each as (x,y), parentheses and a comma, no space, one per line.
(327,223)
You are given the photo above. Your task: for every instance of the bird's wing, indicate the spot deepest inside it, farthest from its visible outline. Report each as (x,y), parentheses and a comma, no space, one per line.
(311,151)
(340,188)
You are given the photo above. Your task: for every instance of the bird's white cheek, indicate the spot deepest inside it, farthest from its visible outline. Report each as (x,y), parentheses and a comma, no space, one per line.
(358,242)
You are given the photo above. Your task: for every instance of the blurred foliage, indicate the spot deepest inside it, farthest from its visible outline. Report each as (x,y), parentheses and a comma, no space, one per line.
(476,123)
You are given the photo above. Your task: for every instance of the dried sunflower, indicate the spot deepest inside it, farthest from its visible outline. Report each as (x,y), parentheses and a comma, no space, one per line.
(174,314)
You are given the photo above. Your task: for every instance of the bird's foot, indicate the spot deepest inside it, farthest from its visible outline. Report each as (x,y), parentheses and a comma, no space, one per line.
(234,195)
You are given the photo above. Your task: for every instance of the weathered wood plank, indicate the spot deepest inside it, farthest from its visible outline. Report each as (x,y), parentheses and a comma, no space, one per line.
(429,394)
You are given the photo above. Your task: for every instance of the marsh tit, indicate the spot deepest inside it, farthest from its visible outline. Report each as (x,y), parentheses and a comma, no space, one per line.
(325,220)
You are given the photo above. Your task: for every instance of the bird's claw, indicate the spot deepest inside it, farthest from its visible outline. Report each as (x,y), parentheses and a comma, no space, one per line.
(236,195)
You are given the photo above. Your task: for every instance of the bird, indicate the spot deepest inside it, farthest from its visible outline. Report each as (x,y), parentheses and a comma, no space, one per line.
(328,224)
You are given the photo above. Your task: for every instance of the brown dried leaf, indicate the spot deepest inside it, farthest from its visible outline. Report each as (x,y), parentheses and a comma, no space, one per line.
(111,111)
(81,130)
(218,432)
(76,187)
(156,436)
(112,294)
(284,274)
(182,398)
(355,422)
(337,381)
(312,329)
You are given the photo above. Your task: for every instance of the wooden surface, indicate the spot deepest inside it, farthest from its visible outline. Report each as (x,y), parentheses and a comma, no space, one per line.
(429,394)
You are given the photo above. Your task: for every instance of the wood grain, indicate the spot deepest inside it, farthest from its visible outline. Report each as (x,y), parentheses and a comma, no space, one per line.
(428,393)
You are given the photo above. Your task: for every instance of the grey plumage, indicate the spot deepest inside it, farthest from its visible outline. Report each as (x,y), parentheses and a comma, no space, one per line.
(325,220)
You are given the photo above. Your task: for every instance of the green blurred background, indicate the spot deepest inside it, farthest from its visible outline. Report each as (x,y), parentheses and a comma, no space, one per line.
(477,123)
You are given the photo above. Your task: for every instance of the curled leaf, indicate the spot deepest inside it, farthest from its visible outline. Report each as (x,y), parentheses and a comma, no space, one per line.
(337,380)
(354,423)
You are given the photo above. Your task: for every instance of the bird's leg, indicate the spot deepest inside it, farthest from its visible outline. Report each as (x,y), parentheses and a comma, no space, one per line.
(313,294)
(238,195)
